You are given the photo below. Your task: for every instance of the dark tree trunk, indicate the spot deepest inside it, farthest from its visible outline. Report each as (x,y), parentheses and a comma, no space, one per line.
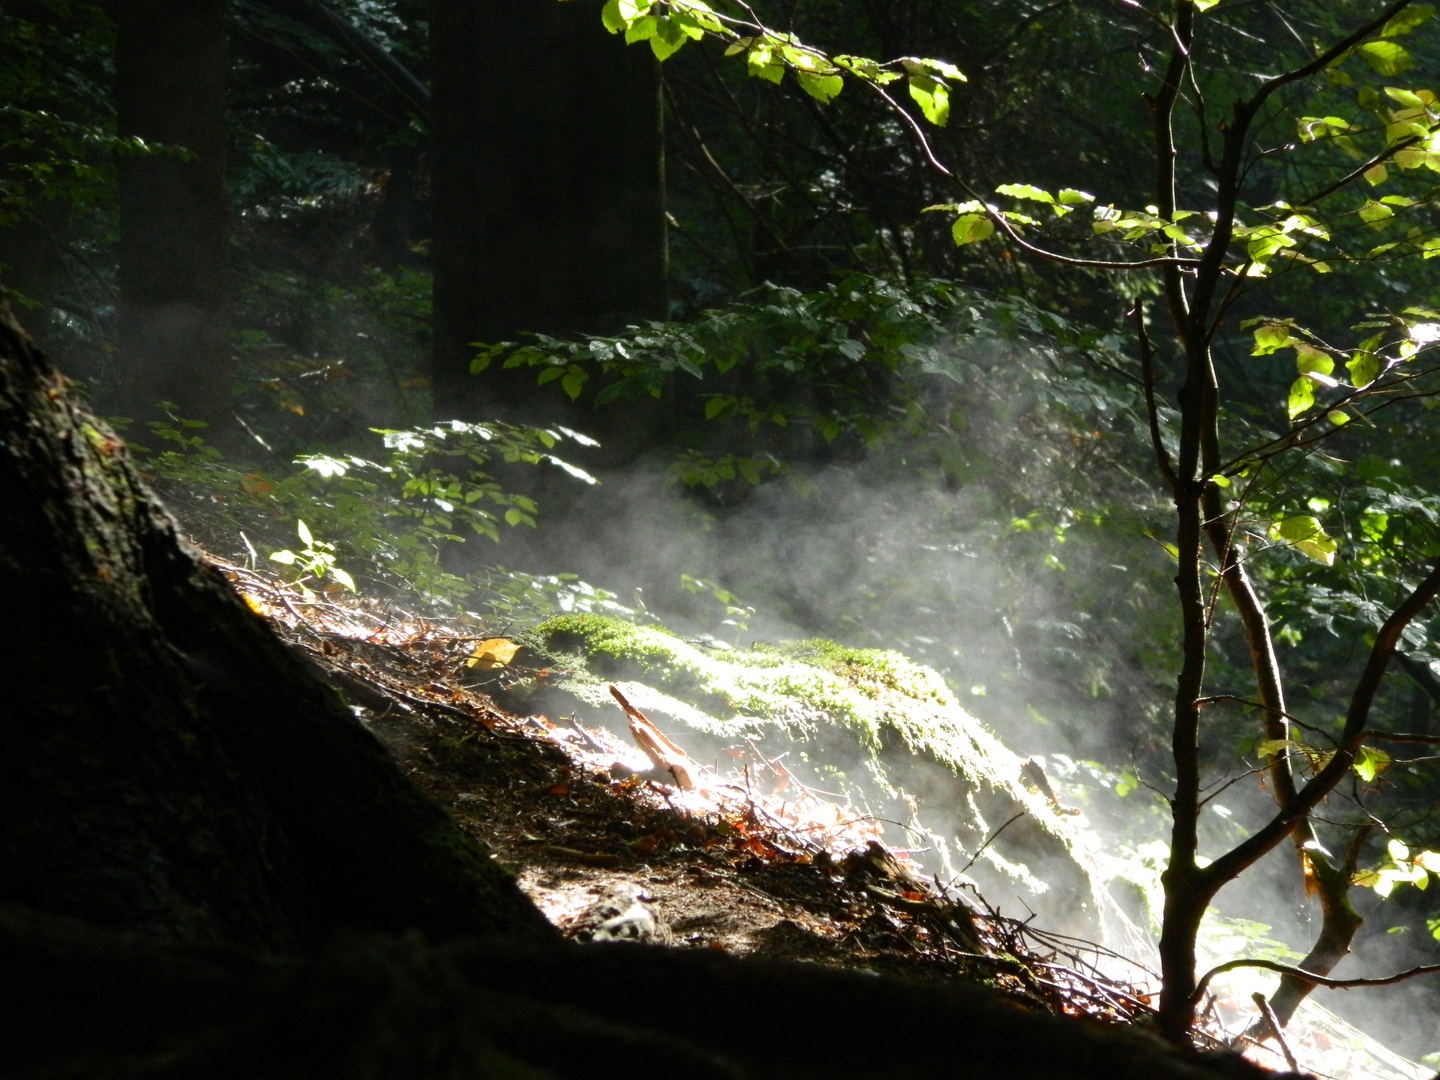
(170,89)
(548,190)
(167,765)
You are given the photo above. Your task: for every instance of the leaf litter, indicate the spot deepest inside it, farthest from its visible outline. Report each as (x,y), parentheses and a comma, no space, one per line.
(614,840)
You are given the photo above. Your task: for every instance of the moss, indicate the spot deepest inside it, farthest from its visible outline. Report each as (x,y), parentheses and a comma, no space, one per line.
(899,716)
(798,685)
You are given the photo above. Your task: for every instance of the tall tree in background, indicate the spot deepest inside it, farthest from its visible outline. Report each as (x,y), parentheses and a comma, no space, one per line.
(170,89)
(548,188)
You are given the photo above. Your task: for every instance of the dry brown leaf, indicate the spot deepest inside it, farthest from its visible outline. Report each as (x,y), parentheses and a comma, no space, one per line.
(492,653)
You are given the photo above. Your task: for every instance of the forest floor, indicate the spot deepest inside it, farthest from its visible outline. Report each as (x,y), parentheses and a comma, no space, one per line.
(748,864)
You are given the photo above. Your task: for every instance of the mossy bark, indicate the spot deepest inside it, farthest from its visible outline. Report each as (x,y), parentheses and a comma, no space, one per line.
(168,766)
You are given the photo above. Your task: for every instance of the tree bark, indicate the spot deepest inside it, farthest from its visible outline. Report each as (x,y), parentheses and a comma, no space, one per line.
(170,68)
(548,189)
(168,766)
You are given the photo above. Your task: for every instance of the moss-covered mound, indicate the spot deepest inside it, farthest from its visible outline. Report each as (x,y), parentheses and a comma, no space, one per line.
(885,732)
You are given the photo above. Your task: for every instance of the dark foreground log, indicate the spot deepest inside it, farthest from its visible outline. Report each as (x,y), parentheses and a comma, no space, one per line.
(82,1003)
(208,868)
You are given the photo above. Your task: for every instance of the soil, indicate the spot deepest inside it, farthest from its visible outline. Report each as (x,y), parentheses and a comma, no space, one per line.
(591,836)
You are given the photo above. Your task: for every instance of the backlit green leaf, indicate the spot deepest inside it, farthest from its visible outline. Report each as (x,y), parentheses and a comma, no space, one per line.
(1300,398)
(1376,215)
(1026,191)
(1308,537)
(1269,338)
(822,88)
(1385,57)
(933,98)
(1406,20)
(969,228)
(1363,367)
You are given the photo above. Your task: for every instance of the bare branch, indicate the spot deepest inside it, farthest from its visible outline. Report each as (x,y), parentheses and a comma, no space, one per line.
(999,219)
(1308,976)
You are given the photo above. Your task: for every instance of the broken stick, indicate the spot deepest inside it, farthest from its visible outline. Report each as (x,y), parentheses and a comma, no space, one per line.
(662,753)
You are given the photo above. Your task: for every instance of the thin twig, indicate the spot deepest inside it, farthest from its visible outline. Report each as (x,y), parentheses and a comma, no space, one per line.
(990,841)
(1274,1022)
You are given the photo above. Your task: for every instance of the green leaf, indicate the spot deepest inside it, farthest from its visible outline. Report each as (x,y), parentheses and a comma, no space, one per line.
(1300,398)
(1406,20)
(1407,99)
(1026,191)
(1385,57)
(286,557)
(1204,5)
(822,88)
(1376,215)
(1337,417)
(668,38)
(343,578)
(1363,367)
(1308,537)
(1397,850)
(642,29)
(1369,763)
(1312,361)
(933,97)
(969,228)
(612,18)
(1266,241)
(574,381)
(513,516)
(1376,175)
(1270,337)
(304,532)
(761,63)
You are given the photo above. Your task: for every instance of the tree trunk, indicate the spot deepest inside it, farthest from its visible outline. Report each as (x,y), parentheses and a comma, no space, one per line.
(170,67)
(168,766)
(548,189)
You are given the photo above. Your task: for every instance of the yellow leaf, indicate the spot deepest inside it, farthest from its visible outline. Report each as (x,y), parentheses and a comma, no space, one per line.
(492,653)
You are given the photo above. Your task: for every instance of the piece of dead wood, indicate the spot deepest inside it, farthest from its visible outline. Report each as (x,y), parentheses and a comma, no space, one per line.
(663,754)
